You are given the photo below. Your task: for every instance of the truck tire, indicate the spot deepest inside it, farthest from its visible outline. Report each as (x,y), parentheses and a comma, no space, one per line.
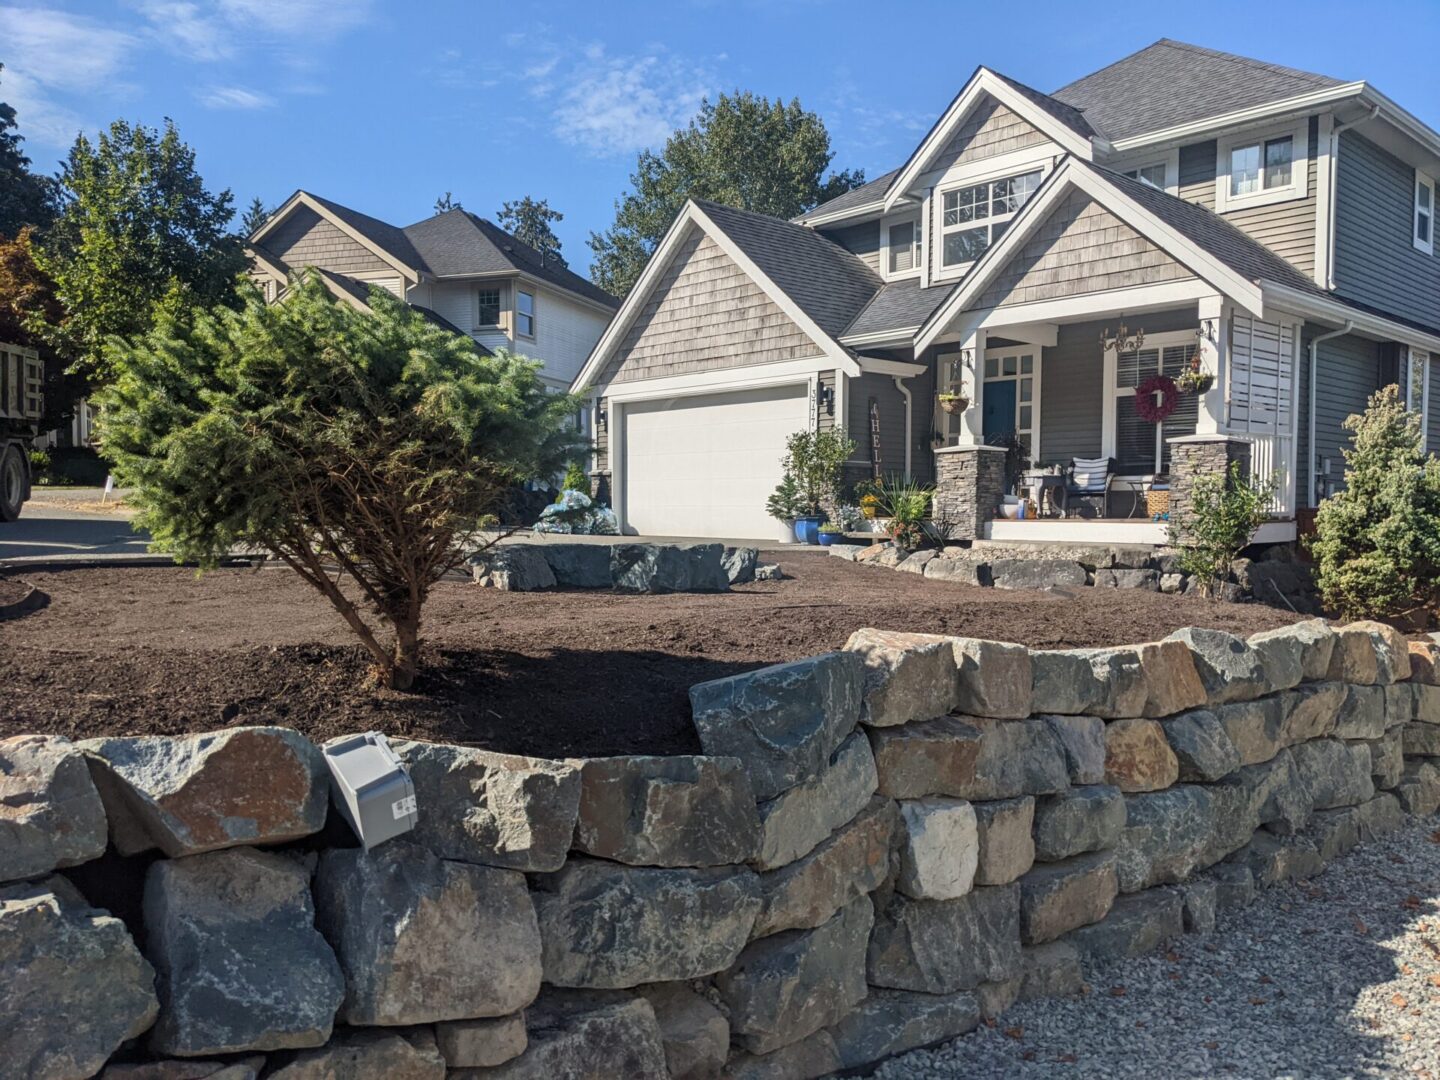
(12,483)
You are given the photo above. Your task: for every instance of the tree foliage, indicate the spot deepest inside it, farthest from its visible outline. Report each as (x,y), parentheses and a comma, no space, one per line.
(255,216)
(137,224)
(1377,542)
(25,198)
(741,150)
(361,448)
(444,204)
(529,220)
(27,293)
(1226,510)
(815,460)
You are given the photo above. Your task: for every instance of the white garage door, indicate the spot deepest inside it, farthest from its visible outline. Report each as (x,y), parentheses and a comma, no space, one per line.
(704,466)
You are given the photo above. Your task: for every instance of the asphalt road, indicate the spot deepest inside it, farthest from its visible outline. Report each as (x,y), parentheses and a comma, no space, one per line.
(47,533)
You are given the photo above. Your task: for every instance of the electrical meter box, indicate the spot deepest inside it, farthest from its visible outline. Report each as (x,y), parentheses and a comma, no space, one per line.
(371,787)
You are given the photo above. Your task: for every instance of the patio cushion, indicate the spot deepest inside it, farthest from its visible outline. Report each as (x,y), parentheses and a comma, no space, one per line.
(1088,475)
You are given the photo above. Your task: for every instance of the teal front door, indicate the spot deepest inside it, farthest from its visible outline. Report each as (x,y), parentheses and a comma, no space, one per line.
(999,410)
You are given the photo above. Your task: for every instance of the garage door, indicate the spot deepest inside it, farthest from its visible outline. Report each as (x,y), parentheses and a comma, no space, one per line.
(704,466)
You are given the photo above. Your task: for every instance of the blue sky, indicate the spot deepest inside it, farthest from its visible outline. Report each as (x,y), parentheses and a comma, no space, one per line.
(382,104)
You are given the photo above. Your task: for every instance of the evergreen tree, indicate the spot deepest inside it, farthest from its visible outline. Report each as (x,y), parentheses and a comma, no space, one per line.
(444,204)
(528,220)
(255,216)
(25,199)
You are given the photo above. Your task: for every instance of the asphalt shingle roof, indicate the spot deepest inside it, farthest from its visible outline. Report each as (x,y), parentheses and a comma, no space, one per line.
(1170,83)
(899,305)
(378,232)
(827,282)
(873,191)
(1067,114)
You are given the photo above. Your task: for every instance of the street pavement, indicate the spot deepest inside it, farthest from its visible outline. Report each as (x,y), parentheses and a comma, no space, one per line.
(52,533)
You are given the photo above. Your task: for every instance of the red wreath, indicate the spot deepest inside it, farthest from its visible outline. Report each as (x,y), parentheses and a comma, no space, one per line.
(1147,407)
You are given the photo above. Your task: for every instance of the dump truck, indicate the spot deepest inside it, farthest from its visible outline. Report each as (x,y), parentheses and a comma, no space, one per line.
(22,400)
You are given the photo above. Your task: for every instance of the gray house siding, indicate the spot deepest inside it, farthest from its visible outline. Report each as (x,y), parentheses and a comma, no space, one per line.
(825,382)
(1287,228)
(1376,262)
(862,240)
(307,239)
(1347,371)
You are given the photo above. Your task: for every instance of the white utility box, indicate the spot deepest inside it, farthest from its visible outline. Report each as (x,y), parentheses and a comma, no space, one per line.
(371,787)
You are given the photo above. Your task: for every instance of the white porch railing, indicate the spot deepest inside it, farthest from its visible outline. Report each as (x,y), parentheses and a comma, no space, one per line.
(1270,457)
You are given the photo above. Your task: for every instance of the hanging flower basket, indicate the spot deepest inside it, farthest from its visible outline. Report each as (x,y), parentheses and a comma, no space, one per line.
(954,403)
(1156,398)
(1194,381)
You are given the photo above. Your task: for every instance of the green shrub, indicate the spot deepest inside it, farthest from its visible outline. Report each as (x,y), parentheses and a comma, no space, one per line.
(1377,543)
(784,502)
(576,479)
(814,459)
(906,504)
(1225,512)
(39,466)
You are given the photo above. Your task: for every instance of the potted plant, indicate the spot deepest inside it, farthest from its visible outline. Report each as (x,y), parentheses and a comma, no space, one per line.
(953,401)
(814,459)
(784,506)
(1193,380)
(830,533)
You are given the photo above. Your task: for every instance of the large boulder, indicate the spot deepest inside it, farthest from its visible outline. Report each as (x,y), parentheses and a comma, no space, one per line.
(1420,740)
(789,985)
(907,676)
(1158,678)
(1255,728)
(995,678)
(1138,756)
(478,1044)
(1079,820)
(933,757)
(1275,793)
(588,1036)
(1316,710)
(50,813)
(1387,758)
(1137,924)
(1168,835)
(607,926)
(1230,668)
(1202,748)
(944,946)
(1037,574)
(240,964)
(1016,757)
(667,811)
(1334,773)
(853,861)
(369,1055)
(1369,652)
(914,563)
(1425,662)
(1083,738)
(512,568)
(890,1022)
(694,1033)
(1364,712)
(1282,654)
(663,568)
(739,564)
(783,722)
(422,938)
(795,821)
(1419,788)
(1055,898)
(811,1057)
(578,566)
(939,848)
(1145,580)
(73,986)
(1051,970)
(187,794)
(960,571)
(1005,841)
(495,809)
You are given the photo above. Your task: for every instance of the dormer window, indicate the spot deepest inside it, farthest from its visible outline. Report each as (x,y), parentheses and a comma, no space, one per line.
(902,247)
(1263,167)
(1153,174)
(976,216)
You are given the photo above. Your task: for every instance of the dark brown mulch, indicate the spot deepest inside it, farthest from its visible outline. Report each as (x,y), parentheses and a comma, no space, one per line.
(157,650)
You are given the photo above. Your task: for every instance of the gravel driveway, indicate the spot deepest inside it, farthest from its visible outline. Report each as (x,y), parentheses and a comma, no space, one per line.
(1335,977)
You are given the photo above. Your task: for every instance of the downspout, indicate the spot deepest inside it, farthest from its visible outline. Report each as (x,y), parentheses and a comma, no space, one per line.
(909,434)
(1310,442)
(1334,172)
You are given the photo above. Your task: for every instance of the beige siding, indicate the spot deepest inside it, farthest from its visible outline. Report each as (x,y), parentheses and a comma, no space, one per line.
(705,314)
(990,130)
(1080,248)
(862,240)
(1286,228)
(306,239)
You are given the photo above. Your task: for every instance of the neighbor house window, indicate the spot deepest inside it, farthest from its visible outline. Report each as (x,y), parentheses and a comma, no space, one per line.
(1262,168)
(489,307)
(1425,213)
(525,314)
(903,244)
(975,217)
(1153,174)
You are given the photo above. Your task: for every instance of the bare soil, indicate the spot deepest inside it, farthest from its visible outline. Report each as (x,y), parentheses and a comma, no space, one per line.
(159,650)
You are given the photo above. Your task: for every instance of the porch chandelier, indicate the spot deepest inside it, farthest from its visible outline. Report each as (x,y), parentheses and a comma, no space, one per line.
(1122,341)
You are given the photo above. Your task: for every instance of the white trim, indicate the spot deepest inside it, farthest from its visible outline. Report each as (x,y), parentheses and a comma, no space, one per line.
(862,210)
(1294,302)
(1324,197)
(717,380)
(900,336)
(1037,354)
(981,83)
(939,270)
(917,249)
(900,368)
(1133,300)
(1138,531)
(1423,183)
(534,312)
(1298,187)
(304,198)
(634,303)
(1073,174)
(1253,114)
(1169,158)
(1413,357)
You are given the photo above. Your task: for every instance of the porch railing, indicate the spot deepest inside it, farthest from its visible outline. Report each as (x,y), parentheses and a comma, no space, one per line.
(1270,456)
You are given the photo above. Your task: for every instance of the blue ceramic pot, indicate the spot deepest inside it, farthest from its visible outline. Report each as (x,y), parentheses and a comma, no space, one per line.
(828,538)
(807,528)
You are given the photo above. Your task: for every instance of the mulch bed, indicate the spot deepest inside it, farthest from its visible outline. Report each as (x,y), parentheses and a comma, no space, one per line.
(156,650)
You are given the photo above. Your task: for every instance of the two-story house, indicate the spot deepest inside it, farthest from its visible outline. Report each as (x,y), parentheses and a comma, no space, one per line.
(1039,257)
(466,273)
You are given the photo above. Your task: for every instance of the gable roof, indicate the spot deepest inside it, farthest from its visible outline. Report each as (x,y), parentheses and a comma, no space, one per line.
(1171,83)
(899,306)
(864,195)
(379,233)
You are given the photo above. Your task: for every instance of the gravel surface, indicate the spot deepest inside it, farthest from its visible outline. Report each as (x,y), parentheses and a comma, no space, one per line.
(1335,977)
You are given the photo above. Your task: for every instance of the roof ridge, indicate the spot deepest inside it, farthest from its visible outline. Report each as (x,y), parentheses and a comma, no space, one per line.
(806,230)
(1250,61)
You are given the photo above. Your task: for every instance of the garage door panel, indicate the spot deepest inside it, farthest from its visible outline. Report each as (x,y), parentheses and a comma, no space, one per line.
(704,465)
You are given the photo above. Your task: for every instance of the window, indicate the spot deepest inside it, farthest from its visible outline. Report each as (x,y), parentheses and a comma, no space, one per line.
(1139,447)
(525,314)
(977,216)
(1256,169)
(1424,213)
(1416,374)
(903,244)
(1153,174)
(489,308)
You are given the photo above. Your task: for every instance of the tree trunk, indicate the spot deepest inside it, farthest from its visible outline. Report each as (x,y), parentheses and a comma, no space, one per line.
(407,651)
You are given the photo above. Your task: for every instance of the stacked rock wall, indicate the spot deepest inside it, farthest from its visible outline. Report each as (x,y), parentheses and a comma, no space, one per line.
(880,847)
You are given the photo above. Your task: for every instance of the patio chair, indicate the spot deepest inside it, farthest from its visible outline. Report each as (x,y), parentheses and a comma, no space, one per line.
(1087,486)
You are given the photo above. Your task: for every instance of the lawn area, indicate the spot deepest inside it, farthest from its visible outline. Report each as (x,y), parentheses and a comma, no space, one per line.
(157,650)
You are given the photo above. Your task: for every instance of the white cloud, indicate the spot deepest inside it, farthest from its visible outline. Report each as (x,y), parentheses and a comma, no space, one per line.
(187,29)
(234,97)
(618,105)
(298,18)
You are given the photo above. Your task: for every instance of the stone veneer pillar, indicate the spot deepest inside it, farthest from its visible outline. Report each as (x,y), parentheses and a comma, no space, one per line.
(969,482)
(1193,456)
(600,486)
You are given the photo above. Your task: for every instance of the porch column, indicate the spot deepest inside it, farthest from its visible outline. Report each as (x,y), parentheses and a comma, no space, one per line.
(969,481)
(972,421)
(1194,456)
(1214,356)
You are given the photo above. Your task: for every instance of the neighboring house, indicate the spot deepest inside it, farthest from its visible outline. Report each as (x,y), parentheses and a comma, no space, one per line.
(1276,225)
(464,272)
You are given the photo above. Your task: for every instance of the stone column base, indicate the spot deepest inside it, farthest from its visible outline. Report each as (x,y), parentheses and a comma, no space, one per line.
(969,482)
(600,487)
(1193,456)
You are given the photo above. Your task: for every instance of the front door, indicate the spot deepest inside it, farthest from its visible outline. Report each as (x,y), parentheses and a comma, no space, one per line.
(999,410)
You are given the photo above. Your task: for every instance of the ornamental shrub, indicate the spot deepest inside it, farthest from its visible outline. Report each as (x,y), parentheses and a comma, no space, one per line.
(361,448)
(814,459)
(1225,512)
(1377,542)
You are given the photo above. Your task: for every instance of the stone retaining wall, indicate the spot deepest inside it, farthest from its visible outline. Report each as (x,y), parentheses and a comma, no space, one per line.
(880,847)
(636,568)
